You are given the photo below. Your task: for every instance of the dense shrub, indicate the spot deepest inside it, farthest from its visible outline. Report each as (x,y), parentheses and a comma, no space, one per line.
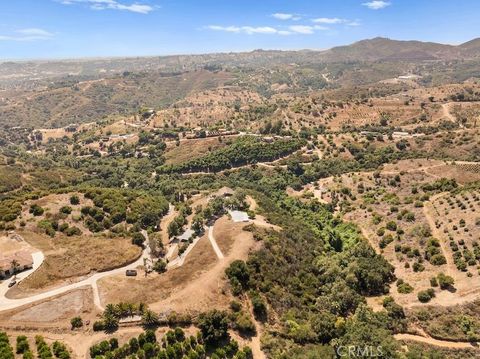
(425,296)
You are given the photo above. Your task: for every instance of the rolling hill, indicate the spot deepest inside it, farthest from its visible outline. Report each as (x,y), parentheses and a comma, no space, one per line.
(58,92)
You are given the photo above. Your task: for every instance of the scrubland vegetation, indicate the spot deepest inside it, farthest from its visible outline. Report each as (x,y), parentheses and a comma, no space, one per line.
(361,190)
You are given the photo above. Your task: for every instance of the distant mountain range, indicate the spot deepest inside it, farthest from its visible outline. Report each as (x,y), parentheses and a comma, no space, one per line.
(59,92)
(382,49)
(377,49)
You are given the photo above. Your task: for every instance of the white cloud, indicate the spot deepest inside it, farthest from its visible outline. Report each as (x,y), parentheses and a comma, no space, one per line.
(284,16)
(306,29)
(259,30)
(251,30)
(112,5)
(29,34)
(354,23)
(302,29)
(224,28)
(35,32)
(376,4)
(329,20)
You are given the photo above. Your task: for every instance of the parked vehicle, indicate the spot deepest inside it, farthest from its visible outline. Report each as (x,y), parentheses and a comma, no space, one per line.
(131,273)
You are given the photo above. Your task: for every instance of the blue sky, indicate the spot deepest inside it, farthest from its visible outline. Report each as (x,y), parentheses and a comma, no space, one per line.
(93,28)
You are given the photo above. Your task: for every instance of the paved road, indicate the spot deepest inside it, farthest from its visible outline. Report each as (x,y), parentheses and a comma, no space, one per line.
(7,304)
(178,261)
(38,259)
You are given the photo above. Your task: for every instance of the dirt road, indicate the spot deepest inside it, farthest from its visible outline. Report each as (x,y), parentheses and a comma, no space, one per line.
(215,246)
(447,113)
(437,342)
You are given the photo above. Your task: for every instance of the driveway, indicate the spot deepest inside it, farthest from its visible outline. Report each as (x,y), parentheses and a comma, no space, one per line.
(7,304)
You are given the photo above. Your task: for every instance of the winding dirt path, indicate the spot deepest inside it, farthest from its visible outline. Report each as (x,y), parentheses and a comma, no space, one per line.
(437,342)
(447,113)
(255,343)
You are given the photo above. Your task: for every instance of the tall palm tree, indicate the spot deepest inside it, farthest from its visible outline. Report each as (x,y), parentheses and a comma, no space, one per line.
(110,310)
(149,318)
(131,309)
(15,265)
(110,322)
(122,309)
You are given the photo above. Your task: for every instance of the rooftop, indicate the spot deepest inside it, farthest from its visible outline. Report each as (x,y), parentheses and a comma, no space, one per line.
(24,258)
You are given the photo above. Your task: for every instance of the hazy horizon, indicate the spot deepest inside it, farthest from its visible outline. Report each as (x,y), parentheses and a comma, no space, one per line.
(91,58)
(85,29)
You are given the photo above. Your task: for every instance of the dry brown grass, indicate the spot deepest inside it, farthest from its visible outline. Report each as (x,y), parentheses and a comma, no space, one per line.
(51,205)
(69,258)
(208,108)
(189,149)
(10,245)
(196,286)
(462,173)
(120,288)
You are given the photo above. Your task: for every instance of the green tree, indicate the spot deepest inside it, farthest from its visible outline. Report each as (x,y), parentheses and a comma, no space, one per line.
(213,326)
(76,322)
(74,200)
(149,318)
(22,344)
(138,239)
(445,281)
(160,266)
(238,274)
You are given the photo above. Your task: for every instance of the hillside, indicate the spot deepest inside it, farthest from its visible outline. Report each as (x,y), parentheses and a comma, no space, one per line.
(44,94)
(471,47)
(379,49)
(269,204)
(87,101)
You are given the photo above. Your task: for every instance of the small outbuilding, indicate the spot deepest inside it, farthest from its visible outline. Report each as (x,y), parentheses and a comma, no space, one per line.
(15,262)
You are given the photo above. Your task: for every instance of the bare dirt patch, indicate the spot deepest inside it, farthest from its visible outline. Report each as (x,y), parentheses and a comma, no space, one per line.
(51,313)
(64,307)
(11,243)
